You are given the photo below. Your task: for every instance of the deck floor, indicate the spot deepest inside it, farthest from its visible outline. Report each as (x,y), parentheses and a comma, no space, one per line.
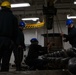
(37,72)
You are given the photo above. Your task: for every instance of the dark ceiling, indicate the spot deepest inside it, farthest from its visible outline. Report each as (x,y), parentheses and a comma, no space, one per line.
(64,7)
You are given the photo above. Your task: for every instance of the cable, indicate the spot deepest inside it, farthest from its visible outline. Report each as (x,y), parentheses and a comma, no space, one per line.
(59,29)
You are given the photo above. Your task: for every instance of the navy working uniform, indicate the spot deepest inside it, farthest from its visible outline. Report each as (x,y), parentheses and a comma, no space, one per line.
(71,37)
(32,60)
(20,46)
(8,32)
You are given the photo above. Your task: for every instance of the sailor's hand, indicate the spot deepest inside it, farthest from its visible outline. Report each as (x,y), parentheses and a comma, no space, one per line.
(62,34)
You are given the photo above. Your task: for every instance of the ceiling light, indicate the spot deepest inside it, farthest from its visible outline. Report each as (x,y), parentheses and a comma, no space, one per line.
(71,17)
(20,5)
(33,19)
(74,2)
